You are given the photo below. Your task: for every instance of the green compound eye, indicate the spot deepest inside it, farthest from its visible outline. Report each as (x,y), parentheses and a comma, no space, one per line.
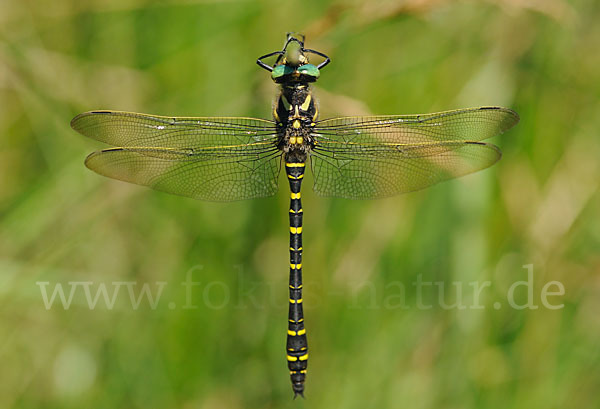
(280,71)
(309,70)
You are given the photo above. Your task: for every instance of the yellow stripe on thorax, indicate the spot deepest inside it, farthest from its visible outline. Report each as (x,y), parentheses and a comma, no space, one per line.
(306,104)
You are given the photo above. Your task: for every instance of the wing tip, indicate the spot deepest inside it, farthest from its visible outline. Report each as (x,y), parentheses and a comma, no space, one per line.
(95,154)
(90,113)
(74,122)
(488,145)
(76,119)
(511,119)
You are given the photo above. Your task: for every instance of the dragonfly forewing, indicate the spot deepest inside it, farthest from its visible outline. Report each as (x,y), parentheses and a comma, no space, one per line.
(471,124)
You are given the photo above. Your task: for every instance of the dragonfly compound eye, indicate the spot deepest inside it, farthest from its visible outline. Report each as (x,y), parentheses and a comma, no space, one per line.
(310,71)
(281,71)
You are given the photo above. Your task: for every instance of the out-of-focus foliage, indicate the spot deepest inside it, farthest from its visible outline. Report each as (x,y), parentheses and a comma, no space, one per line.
(376,339)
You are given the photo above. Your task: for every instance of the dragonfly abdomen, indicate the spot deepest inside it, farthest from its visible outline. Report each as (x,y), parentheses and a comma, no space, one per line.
(297,345)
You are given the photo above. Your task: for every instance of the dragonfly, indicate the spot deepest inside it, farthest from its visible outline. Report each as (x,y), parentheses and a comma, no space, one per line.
(235,158)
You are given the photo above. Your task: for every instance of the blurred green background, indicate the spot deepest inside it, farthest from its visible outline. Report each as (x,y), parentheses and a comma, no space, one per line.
(373,344)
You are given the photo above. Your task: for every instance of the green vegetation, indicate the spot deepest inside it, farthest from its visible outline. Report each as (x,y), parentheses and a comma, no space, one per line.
(378,333)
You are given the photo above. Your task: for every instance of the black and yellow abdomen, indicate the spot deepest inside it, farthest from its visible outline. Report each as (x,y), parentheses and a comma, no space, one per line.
(296,345)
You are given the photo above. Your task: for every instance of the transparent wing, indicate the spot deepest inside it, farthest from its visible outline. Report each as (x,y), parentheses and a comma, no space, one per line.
(218,159)
(382,171)
(471,124)
(127,129)
(218,176)
(372,157)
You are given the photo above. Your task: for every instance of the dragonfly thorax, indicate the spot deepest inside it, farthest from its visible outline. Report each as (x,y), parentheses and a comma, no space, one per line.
(295,112)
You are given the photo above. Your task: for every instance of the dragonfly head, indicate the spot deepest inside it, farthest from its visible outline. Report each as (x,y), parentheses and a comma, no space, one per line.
(292,63)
